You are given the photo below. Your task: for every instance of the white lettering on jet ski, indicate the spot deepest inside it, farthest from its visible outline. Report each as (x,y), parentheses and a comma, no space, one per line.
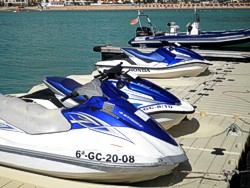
(131,119)
(156,107)
(149,88)
(139,70)
(105,157)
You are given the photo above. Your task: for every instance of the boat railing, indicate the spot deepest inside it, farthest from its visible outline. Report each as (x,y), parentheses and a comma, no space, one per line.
(141,14)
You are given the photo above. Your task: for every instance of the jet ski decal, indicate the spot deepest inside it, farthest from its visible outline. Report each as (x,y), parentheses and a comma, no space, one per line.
(108,108)
(80,120)
(139,70)
(7,127)
(142,115)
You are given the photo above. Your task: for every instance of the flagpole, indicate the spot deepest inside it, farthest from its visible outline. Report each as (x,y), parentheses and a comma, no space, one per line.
(139,20)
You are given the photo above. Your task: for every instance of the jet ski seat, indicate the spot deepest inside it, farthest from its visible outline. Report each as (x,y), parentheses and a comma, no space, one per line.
(153,56)
(30,117)
(68,85)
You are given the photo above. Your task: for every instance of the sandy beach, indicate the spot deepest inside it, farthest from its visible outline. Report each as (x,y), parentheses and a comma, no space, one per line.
(137,7)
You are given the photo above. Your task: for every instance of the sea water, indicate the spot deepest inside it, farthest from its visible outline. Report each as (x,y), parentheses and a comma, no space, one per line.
(36,44)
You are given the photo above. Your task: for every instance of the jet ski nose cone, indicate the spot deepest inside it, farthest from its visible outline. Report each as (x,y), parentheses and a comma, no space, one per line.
(160,151)
(173,160)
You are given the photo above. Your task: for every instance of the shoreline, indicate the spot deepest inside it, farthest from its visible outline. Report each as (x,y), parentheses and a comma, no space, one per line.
(214,6)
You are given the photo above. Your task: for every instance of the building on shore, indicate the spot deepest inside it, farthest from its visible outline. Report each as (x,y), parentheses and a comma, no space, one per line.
(19,3)
(142,3)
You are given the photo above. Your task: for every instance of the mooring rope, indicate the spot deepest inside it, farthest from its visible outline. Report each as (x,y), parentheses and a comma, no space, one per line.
(224,173)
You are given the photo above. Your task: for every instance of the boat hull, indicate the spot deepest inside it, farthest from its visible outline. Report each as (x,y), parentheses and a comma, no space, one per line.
(188,69)
(204,40)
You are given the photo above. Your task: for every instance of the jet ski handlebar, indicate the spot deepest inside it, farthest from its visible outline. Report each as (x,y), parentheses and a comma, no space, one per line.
(113,72)
(71,95)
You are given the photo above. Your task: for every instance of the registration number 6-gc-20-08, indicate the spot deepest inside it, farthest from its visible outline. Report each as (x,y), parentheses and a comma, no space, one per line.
(105,157)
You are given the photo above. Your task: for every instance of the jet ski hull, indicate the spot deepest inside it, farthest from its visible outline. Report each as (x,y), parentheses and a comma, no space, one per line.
(191,69)
(76,162)
(169,115)
(70,168)
(168,120)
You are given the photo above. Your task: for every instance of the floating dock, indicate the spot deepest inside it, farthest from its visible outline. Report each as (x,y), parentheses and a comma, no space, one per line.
(213,55)
(215,138)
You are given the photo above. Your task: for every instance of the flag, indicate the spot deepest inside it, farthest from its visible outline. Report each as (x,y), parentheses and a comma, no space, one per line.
(134,21)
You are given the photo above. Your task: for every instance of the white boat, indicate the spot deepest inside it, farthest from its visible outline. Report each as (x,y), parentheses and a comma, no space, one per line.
(160,63)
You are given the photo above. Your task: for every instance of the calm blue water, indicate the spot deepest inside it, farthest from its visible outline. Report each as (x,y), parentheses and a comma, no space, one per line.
(38,44)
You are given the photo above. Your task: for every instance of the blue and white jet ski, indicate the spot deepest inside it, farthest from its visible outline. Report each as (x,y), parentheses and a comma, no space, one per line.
(164,62)
(102,140)
(160,104)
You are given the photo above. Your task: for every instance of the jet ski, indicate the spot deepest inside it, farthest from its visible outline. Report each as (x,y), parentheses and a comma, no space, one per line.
(160,104)
(164,62)
(101,140)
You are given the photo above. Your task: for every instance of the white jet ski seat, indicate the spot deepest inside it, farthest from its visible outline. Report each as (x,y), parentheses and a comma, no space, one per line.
(30,117)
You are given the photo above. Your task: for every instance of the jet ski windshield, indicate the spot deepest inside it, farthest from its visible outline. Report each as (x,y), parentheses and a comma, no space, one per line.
(90,89)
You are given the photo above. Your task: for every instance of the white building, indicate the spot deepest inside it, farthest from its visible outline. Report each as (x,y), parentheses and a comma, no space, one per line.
(75,2)
(16,2)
